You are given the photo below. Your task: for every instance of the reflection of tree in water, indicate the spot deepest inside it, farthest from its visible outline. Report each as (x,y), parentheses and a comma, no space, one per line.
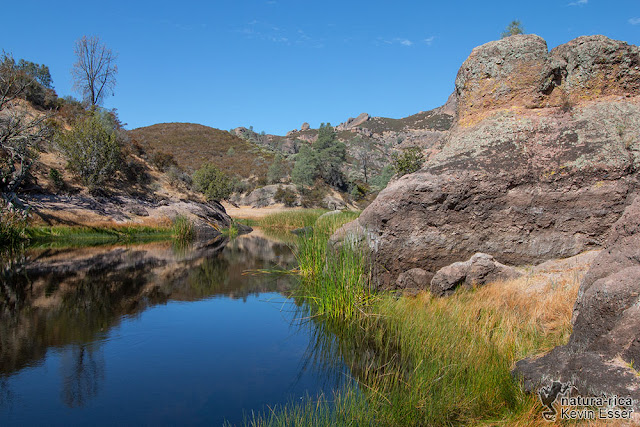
(14,284)
(82,370)
(232,272)
(6,395)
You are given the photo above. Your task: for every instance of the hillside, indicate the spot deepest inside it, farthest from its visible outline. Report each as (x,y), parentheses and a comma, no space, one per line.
(192,145)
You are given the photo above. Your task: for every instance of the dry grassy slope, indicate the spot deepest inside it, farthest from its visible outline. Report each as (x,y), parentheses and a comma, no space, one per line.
(192,145)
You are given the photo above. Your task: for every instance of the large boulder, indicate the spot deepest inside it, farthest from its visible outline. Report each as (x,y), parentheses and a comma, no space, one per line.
(527,184)
(605,343)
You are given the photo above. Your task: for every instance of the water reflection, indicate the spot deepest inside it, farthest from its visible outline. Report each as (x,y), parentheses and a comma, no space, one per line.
(82,372)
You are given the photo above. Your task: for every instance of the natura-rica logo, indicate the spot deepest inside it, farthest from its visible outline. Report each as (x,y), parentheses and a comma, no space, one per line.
(549,395)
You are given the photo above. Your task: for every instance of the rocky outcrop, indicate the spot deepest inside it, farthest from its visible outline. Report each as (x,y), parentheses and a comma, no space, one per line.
(264,196)
(519,71)
(305,126)
(605,343)
(479,270)
(517,177)
(208,218)
(352,123)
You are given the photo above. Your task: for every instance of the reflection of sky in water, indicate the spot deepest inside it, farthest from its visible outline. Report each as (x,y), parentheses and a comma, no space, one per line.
(194,360)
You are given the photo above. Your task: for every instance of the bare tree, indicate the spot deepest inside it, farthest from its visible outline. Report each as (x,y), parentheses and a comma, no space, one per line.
(94,72)
(21,130)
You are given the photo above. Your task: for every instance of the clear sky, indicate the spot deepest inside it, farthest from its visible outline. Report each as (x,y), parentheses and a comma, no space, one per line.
(275,64)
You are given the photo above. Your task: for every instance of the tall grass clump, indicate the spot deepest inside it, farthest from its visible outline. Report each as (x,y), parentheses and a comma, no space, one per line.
(335,281)
(424,360)
(183,229)
(13,225)
(290,220)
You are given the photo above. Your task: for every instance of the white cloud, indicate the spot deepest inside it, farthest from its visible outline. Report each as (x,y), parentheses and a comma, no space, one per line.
(579,3)
(634,21)
(429,40)
(406,42)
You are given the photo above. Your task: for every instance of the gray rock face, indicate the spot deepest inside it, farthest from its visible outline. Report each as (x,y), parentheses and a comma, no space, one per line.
(478,270)
(352,123)
(527,184)
(606,334)
(305,126)
(263,196)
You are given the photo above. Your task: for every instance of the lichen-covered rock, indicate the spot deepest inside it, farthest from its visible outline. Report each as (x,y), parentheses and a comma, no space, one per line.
(605,342)
(264,196)
(527,184)
(480,269)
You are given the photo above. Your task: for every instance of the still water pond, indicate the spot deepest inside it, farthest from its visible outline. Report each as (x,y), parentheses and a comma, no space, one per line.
(155,336)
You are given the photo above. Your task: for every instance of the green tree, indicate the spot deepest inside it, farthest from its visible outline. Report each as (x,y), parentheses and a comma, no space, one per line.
(212,182)
(331,155)
(409,161)
(515,27)
(38,72)
(277,170)
(92,149)
(305,168)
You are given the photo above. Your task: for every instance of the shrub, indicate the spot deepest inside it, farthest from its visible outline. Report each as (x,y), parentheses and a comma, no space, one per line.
(380,182)
(409,161)
(515,27)
(212,182)
(56,179)
(91,149)
(358,191)
(312,197)
(163,160)
(286,196)
(177,177)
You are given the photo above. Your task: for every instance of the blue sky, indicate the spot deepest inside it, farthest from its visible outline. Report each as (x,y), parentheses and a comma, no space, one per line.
(275,64)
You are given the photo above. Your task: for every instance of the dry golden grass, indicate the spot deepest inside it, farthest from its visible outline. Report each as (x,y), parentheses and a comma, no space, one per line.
(537,307)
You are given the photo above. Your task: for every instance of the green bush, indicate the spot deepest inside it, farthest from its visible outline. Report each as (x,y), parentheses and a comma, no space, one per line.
(358,191)
(286,196)
(56,179)
(91,149)
(380,182)
(515,27)
(312,198)
(212,182)
(409,161)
